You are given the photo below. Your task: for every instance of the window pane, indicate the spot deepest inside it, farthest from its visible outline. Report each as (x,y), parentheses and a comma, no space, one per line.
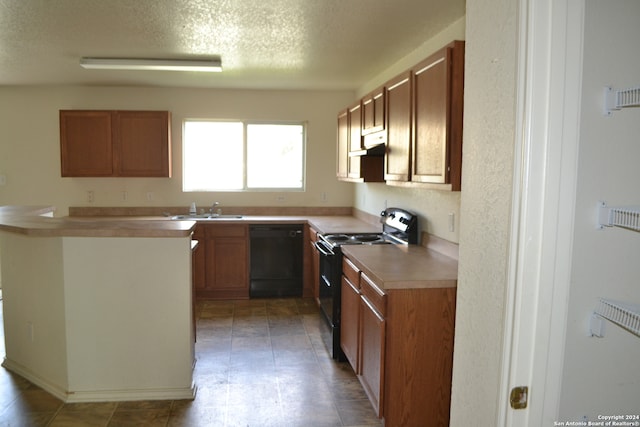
(213,156)
(275,156)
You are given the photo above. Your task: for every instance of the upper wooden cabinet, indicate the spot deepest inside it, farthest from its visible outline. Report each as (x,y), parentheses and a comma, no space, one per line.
(355,140)
(418,117)
(398,156)
(352,166)
(343,145)
(373,119)
(424,120)
(115,143)
(437,119)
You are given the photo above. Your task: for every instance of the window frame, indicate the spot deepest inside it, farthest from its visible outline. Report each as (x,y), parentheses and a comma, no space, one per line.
(245,124)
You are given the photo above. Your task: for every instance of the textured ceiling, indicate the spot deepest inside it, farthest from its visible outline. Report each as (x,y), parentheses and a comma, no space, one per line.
(313,44)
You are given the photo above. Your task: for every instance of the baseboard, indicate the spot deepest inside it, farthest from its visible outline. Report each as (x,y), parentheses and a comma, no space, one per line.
(67,396)
(33,378)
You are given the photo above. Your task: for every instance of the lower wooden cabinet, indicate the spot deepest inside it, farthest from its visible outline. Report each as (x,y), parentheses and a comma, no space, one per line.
(314,268)
(404,351)
(350,323)
(372,353)
(222,267)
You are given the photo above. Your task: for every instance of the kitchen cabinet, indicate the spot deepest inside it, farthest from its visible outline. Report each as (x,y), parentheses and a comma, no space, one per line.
(226,262)
(437,121)
(372,344)
(352,166)
(397,163)
(350,314)
(355,140)
(315,264)
(343,145)
(115,143)
(405,348)
(418,117)
(373,108)
(424,120)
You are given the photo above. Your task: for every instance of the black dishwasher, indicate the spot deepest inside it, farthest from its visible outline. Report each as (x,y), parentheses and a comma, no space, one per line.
(276,260)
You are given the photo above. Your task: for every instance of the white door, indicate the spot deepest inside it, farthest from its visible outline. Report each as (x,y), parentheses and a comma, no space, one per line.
(548,111)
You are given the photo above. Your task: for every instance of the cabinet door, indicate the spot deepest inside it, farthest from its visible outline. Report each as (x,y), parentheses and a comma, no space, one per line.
(355,140)
(430,157)
(437,136)
(373,112)
(315,264)
(343,144)
(226,272)
(372,346)
(398,111)
(86,143)
(226,260)
(141,142)
(349,323)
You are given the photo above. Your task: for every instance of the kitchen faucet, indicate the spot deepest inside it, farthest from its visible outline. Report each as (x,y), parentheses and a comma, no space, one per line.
(215,210)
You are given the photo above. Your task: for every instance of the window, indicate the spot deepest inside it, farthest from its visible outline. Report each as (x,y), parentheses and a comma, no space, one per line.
(243,156)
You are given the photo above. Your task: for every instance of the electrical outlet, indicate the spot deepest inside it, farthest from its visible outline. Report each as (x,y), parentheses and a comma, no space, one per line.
(30,333)
(124,196)
(149,196)
(452,222)
(91,196)
(3,180)
(323,197)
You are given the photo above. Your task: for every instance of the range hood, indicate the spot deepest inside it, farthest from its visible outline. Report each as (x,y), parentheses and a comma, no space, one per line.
(374,145)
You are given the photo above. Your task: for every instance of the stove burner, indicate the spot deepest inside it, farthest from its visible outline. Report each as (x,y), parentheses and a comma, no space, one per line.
(337,237)
(367,237)
(354,239)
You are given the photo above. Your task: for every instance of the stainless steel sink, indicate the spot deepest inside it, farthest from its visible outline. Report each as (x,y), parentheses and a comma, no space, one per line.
(201,217)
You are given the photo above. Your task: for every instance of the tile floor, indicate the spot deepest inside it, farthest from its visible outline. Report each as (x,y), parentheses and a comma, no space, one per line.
(259,363)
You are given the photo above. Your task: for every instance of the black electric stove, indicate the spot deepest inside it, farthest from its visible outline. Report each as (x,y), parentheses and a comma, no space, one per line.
(398,227)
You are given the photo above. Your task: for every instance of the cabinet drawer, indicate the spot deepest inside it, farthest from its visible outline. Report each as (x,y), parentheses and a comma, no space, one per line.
(225,230)
(373,294)
(351,272)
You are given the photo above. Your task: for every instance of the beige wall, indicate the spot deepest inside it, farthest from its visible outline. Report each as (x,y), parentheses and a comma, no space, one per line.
(601,375)
(487,170)
(490,29)
(433,207)
(30,154)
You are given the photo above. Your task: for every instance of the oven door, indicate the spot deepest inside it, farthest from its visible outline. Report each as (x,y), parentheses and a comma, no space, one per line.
(329,291)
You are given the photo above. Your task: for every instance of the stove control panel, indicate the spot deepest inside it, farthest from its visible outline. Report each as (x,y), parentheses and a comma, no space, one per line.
(401,220)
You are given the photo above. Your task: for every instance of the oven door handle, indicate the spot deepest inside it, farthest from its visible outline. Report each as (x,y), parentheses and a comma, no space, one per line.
(323,249)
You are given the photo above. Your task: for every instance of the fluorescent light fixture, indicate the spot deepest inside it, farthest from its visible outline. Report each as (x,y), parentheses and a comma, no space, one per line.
(209,65)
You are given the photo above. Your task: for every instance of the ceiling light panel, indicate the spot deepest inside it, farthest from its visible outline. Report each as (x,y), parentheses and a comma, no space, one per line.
(211,65)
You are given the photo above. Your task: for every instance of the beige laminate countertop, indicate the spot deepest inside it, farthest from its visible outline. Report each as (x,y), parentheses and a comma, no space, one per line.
(404,266)
(29,220)
(329,224)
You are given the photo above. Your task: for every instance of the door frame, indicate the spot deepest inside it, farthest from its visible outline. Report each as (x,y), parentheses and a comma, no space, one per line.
(544,190)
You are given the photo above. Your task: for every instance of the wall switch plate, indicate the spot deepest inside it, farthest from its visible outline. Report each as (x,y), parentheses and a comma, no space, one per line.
(452,221)
(149,196)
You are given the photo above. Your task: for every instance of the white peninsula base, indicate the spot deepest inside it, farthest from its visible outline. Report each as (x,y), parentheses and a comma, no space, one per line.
(99,318)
